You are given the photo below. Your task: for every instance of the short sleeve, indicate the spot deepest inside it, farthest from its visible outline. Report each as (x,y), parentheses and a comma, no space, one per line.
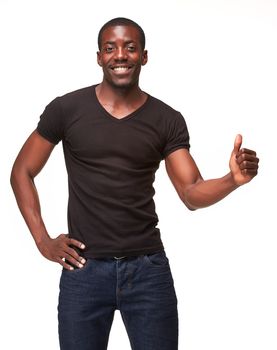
(177,135)
(50,125)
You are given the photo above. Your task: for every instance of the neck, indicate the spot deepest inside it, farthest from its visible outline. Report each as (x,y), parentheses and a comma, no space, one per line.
(119,95)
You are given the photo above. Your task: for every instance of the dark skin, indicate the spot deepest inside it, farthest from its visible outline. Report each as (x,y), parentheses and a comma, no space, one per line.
(121,58)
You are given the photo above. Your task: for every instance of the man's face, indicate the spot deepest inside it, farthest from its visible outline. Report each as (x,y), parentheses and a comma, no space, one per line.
(121,56)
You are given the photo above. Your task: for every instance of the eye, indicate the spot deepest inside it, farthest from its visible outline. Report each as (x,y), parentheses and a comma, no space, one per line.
(108,49)
(131,48)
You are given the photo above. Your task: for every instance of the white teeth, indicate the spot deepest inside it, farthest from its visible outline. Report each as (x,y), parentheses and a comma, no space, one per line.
(120,69)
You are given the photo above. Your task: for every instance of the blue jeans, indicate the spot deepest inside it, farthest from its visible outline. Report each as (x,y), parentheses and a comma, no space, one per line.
(141,287)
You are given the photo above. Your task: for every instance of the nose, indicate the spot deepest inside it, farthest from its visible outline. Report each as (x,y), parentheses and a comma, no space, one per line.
(120,54)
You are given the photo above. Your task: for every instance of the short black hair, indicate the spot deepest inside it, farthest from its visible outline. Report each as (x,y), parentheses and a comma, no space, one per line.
(121,21)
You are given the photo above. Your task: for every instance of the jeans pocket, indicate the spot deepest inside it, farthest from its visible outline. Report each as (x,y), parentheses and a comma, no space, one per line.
(157,259)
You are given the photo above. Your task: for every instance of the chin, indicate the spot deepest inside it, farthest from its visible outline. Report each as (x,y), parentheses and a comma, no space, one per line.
(123,84)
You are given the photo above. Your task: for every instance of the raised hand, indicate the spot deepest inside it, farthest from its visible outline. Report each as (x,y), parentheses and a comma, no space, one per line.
(243,163)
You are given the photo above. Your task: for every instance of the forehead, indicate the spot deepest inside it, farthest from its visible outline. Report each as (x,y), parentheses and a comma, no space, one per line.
(120,33)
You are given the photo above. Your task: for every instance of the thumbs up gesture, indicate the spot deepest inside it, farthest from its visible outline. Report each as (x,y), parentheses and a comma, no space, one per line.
(243,163)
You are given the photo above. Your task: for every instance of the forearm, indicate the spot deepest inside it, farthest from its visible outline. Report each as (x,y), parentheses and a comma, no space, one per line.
(28,202)
(207,192)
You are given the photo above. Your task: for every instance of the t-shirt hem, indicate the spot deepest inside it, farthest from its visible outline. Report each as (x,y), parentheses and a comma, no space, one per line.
(90,254)
(175,149)
(41,133)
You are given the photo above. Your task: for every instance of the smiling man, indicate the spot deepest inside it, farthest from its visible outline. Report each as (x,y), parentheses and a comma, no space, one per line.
(114,137)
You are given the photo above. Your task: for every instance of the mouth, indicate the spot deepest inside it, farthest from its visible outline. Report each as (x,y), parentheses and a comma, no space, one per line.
(121,69)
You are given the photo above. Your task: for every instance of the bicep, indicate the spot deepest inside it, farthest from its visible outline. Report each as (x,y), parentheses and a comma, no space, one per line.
(182,170)
(33,155)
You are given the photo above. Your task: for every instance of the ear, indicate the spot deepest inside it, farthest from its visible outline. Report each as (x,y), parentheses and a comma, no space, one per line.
(144,57)
(99,58)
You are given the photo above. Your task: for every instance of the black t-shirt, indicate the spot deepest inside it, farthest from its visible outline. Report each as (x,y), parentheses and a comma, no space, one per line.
(111,165)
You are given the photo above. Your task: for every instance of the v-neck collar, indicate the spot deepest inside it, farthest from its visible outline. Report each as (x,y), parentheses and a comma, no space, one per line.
(115,119)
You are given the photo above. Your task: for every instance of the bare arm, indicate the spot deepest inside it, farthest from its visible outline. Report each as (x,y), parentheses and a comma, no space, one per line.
(198,193)
(29,162)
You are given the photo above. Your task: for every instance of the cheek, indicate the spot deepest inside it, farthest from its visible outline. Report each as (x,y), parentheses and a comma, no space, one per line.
(102,60)
(104,64)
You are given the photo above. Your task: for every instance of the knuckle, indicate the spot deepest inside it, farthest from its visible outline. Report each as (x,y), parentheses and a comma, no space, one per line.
(69,257)
(243,156)
(75,261)
(74,253)
(245,163)
(72,241)
(240,159)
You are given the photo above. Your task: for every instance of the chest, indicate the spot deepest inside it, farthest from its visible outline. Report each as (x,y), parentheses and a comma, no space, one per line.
(92,137)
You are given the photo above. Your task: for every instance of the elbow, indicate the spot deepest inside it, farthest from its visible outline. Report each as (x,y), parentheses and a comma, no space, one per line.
(188,198)
(18,176)
(190,206)
(186,201)
(13,177)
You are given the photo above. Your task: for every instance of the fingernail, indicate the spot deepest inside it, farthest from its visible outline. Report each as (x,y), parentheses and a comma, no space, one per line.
(82,246)
(71,268)
(83,260)
(80,265)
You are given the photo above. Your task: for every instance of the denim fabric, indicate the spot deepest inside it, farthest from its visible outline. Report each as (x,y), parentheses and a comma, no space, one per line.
(140,287)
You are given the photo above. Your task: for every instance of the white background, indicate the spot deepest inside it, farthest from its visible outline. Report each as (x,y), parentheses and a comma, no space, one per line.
(215,61)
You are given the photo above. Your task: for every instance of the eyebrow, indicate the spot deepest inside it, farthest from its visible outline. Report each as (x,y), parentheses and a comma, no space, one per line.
(113,42)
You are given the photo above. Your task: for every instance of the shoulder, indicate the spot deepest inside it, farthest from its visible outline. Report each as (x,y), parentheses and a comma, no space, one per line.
(167,116)
(76,96)
(161,106)
(68,104)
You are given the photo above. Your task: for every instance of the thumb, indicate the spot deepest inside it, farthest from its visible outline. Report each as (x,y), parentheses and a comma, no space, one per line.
(237,144)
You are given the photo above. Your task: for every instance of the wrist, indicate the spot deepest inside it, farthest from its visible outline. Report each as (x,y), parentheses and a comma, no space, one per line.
(231,180)
(42,240)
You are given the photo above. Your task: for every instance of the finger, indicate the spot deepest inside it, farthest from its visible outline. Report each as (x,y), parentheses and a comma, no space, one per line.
(237,144)
(64,264)
(250,172)
(246,151)
(75,255)
(76,243)
(248,165)
(247,157)
(73,261)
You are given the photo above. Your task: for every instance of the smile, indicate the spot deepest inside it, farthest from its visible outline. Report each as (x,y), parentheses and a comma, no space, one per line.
(120,68)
